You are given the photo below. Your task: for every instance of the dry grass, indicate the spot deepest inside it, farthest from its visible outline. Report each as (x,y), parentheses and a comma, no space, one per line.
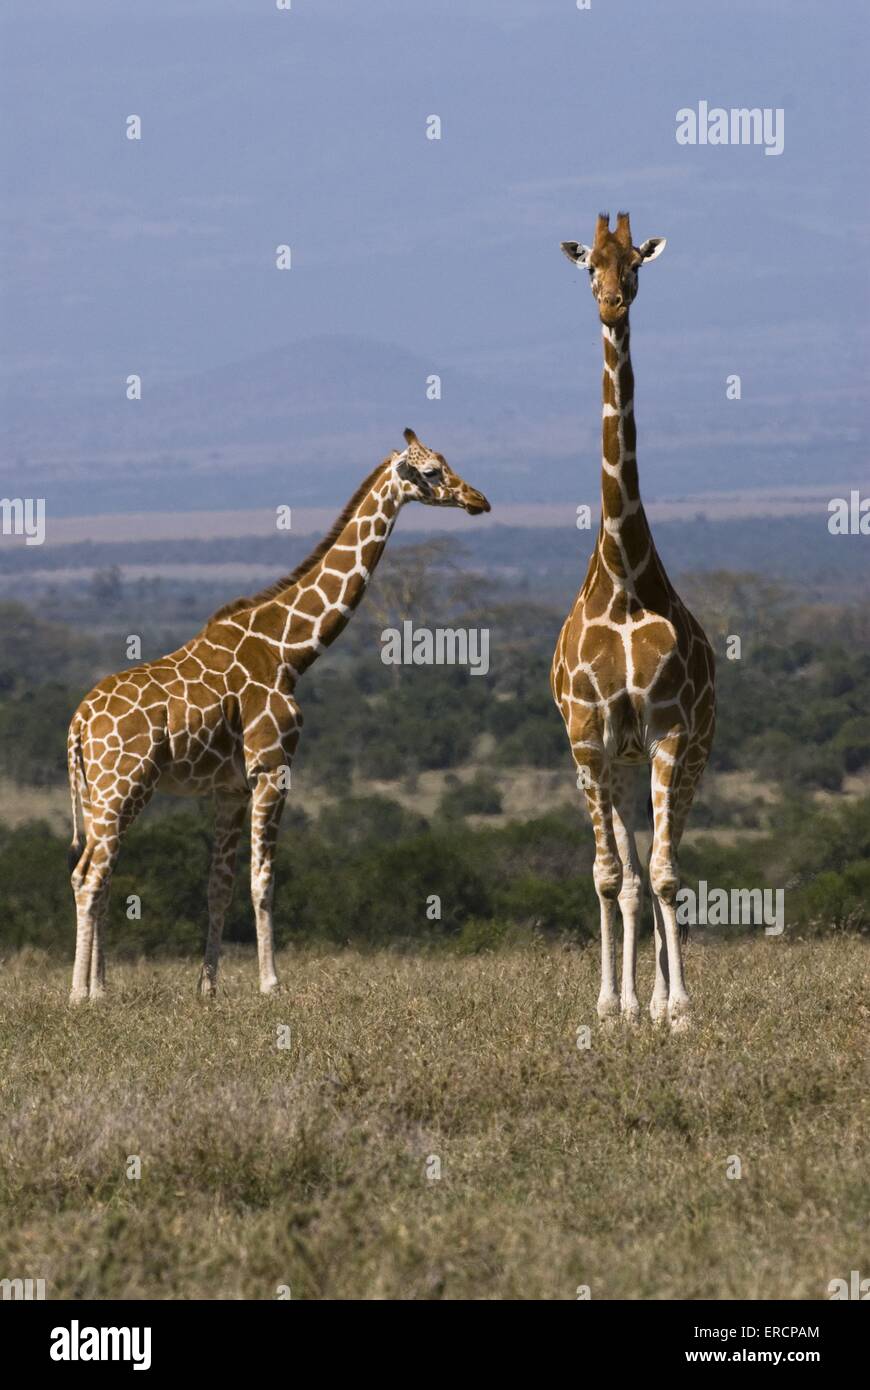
(520,787)
(559,1166)
(20,804)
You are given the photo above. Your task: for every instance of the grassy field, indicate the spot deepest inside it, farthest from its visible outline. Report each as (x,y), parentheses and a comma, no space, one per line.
(314,1166)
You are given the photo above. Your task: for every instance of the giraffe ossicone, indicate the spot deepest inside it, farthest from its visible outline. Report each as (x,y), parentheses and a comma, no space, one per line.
(633,672)
(219,718)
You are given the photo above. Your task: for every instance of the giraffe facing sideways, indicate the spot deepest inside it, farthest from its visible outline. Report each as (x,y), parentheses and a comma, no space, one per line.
(218,717)
(633,672)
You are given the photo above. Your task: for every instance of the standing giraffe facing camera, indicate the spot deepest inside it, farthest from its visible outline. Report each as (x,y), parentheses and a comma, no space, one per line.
(633,671)
(218,718)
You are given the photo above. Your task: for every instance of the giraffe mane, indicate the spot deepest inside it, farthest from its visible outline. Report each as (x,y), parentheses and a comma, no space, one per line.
(271,591)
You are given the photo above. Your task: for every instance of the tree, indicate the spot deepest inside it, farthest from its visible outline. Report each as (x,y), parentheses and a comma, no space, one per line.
(107,585)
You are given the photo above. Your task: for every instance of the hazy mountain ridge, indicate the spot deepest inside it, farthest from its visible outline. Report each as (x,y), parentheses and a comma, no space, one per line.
(314,415)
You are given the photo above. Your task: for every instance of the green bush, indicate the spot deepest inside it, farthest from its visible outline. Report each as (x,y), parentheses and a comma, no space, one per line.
(33,728)
(852,741)
(368,871)
(479,797)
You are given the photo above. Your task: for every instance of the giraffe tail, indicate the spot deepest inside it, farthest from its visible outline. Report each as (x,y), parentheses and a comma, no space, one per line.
(76,770)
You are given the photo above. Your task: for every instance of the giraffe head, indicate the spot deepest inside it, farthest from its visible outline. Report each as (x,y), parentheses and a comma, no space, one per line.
(425,476)
(613,262)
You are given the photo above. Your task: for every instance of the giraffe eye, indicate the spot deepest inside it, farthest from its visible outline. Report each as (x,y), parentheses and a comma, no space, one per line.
(430,472)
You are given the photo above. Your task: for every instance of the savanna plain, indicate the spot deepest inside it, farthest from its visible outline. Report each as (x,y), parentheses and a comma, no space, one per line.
(417,1114)
(430,1128)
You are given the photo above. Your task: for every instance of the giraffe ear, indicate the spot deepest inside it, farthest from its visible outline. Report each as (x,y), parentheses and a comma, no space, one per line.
(577,252)
(652,248)
(410,437)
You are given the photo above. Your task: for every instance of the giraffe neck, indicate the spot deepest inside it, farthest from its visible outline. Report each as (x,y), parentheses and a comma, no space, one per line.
(624,538)
(314,609)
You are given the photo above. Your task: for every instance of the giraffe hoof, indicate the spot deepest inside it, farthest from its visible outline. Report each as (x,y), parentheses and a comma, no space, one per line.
(631,1013)
(78,996)
(268,986)
(608,1009)
(658,1010)
(681,1022)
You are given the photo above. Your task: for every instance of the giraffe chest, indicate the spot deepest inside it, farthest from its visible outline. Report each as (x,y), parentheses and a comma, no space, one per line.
(641,654)
(621,683)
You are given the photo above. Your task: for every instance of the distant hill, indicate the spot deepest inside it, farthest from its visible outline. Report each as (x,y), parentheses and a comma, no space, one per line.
(304,423)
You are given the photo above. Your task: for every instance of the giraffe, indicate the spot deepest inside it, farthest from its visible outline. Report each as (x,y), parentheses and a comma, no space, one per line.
(633,672)
(218,717)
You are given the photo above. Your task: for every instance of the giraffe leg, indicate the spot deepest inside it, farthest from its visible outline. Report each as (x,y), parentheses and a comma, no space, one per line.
(624,782)
(594,776)
(658,1004)
(91,880)
(682,766)
(84,947)
(663,872)
(268,803)
(82,853)
(98,949)
(229,820)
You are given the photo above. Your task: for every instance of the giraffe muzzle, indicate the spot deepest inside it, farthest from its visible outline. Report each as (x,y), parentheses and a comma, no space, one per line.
(475,503)
(612,310)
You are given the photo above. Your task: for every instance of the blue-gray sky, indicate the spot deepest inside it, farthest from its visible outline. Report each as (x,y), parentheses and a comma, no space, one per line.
(308,127)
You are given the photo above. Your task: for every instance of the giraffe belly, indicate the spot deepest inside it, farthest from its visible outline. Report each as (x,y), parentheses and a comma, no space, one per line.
(631,755)
(199,782)
(624,734)
(625,745)
(204,756)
